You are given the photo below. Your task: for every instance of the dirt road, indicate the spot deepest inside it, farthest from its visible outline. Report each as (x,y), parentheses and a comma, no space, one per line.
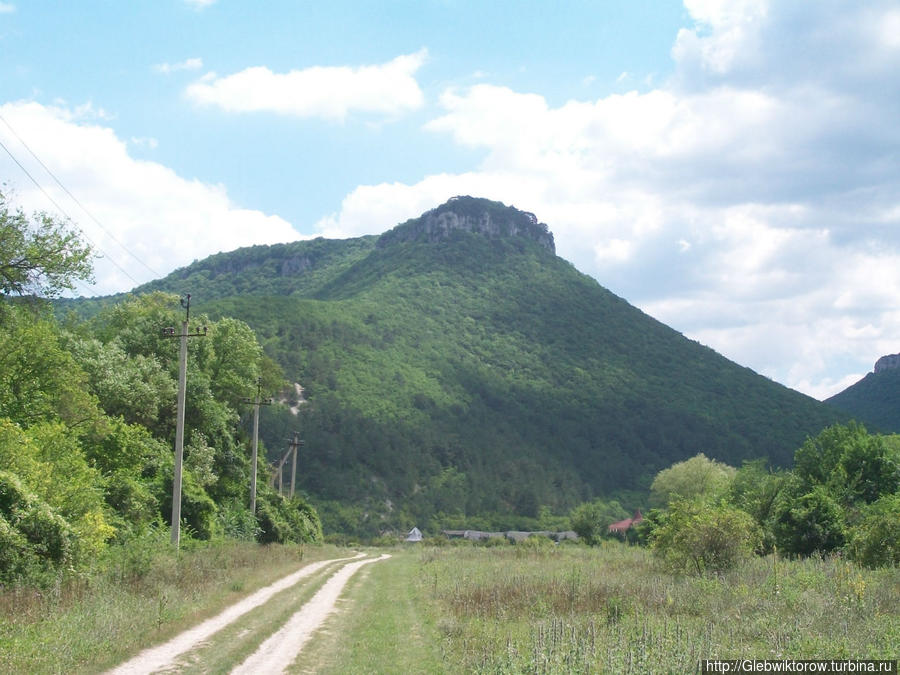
(280,649)
(277,653)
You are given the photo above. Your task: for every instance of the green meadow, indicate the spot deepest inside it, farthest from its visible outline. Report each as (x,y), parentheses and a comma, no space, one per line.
(534,607)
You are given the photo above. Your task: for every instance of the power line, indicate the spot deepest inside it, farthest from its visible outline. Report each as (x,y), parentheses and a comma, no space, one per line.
(63,211)
(75,199)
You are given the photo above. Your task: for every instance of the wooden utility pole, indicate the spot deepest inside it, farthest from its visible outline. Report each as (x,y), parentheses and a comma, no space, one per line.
(179,425)
(276,474)
(295,446)
(253,460)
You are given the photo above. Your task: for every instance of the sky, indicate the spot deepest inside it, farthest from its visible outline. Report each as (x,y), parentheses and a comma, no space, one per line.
(731,167)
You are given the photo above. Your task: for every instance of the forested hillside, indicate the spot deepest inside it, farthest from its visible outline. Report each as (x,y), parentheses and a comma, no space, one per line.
(456,370)
(87,418)
(874,400)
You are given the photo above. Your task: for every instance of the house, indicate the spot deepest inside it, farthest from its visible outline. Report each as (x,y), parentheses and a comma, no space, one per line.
(624,525)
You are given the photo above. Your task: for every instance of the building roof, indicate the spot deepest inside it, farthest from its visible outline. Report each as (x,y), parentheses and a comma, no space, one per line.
(624,525)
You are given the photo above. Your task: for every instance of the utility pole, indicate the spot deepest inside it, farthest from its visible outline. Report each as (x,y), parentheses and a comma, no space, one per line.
(253,460)
(179,426)
(295,446)
(276,474)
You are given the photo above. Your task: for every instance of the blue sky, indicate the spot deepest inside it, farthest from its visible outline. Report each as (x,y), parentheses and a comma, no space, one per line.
(728,166)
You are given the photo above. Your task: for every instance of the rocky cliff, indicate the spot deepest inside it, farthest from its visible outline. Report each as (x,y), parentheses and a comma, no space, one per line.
(470,214)
(889,362)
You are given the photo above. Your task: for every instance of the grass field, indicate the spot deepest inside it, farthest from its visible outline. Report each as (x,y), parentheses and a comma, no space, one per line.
(143,598)
(609,609)
(448,609)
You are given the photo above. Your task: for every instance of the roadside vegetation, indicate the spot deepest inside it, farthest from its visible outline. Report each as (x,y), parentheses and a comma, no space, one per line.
(729,561)
(87,422)
(140,595)
(615,609)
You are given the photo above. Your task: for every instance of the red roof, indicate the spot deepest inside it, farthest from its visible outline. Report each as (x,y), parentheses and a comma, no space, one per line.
(624,525)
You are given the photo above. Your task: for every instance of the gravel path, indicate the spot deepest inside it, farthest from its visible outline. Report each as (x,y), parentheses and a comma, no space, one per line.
(280,650)
(156,658)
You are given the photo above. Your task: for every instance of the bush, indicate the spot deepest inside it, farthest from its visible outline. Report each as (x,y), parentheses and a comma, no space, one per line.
(876,540)
(811,523)
(33,537)
(48,533)
(281,520)
(236,521)
(591,520)
(132,501)
(15,554)
(198,510)
(696,537)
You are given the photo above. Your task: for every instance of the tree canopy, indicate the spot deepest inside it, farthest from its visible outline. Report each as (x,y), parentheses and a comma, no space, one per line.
(41,255)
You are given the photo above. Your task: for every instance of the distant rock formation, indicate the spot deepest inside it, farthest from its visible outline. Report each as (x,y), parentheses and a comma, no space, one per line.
(889,362)
(471,214)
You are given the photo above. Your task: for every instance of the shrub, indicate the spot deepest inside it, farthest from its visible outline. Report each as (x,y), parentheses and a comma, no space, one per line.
(591,520)
(15,555)
(198,510)
(876,540)
(32,535)
(811,523)
(132,500)
(236,521)
(281,520)
(48,533)
(696,537)
(535,542)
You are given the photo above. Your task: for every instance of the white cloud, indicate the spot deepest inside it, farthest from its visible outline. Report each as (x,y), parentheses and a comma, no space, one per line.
(7,8)
(750,202)
(200,4)
(165,220)
(195,63)
(330,92)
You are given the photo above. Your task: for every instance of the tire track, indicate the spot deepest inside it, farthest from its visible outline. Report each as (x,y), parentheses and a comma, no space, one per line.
(280,649)
(161,656)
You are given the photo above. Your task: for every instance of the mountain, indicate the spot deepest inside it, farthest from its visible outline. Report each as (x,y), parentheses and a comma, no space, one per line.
(455,365)
(875,399)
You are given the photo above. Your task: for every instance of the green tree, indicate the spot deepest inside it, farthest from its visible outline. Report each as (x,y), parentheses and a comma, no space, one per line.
(39,256)
(591,520)
(133,386)
(875,540)
(755,489)
(697,477)
(39,379)
(810,523)
(851,463)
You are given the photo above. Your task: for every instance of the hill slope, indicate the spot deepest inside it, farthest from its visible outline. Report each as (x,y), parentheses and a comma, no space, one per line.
(457,365)
(875,399)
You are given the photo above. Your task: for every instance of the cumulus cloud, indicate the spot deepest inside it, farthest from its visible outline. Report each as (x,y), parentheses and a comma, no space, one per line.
(7,8)
(329,92)
(751,202)
(153,219)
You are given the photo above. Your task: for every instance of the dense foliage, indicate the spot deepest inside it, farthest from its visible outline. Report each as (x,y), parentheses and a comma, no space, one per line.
(487,355)
(843,494)
(87,426)
(40,255)
(874,400)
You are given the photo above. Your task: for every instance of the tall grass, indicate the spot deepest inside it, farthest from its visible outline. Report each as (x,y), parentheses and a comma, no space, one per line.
(610,609)
(134,597)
